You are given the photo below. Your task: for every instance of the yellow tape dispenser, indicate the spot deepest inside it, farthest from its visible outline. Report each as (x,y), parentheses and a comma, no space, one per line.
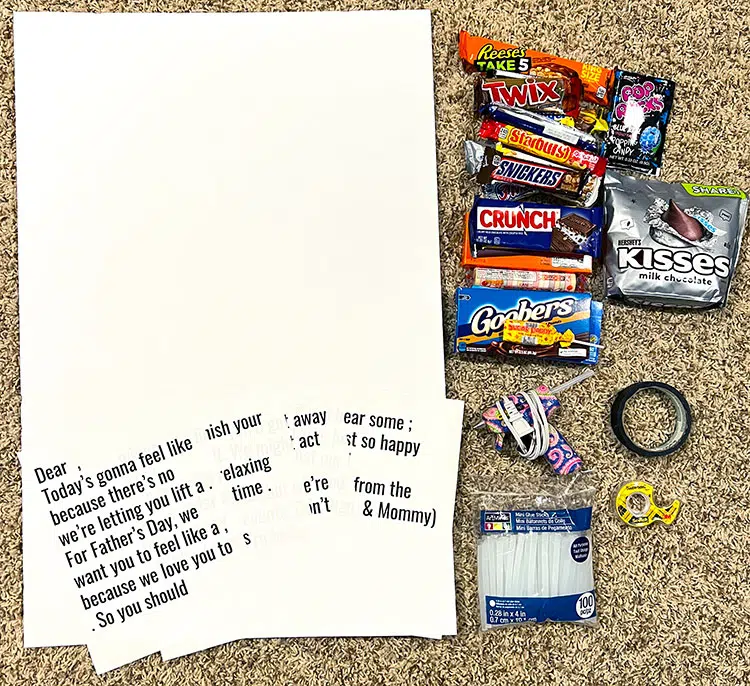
(634,505)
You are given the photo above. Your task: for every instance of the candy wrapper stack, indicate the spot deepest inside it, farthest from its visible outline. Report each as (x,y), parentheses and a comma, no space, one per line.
(535,228)
(549,204)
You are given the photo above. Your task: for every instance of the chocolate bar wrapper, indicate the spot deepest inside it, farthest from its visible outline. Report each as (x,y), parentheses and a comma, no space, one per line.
(509,192)
(491,56)
(638,120)
(534,227)
(549,262)
(543,125)
(588,198)
(498,164)
(671,244)
(542,146)
(555,94)
(482,312)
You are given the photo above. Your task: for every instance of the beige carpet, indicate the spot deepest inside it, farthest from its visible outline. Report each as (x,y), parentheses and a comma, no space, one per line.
(674,602)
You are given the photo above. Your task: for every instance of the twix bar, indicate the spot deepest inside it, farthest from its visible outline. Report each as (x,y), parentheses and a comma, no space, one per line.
(539,93)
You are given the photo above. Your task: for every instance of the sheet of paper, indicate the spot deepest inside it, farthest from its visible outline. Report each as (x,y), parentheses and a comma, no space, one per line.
(194,221)
(440,429)
(153,540)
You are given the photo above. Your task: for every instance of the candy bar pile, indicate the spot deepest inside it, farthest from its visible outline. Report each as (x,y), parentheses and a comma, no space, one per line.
(547,207)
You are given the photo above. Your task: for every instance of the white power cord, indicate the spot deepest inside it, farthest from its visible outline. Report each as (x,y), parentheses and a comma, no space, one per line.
(532,439)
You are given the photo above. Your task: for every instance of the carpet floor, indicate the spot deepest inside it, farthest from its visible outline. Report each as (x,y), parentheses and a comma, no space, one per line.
(674,603)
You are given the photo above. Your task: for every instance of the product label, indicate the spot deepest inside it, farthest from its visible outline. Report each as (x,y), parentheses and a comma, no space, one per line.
(713,191)
(527,521)
(488,320)
(528,173)
(518,219)
(642,95)
(572,352)
(580,548)
(566,608)
(670,260)
(561,133)
(522,95)
(510,59)
(548,148)
(566,262)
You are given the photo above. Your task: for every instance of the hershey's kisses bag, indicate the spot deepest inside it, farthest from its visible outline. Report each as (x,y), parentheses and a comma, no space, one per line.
(671,244)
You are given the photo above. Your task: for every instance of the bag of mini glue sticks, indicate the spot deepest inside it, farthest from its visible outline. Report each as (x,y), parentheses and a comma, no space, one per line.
(534,555)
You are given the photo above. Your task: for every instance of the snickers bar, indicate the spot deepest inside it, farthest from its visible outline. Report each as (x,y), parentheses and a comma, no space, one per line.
(501,165)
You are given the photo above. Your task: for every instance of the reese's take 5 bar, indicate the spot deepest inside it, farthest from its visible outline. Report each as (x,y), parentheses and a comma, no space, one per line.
(491,56)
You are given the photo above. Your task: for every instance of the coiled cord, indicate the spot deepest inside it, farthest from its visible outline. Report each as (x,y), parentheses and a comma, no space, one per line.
(532,439)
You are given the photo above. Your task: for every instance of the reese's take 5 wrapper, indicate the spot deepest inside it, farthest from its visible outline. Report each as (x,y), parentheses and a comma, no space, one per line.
(491,56)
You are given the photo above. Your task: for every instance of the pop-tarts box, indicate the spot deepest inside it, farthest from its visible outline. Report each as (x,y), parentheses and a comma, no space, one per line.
(572,319)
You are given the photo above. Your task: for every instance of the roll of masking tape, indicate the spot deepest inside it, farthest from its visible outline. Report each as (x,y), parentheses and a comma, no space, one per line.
(683,418)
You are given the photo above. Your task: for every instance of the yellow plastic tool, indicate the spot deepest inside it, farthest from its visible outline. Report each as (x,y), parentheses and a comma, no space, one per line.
(634,505)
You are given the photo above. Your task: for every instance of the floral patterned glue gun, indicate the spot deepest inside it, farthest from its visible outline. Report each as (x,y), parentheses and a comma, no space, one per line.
(561,456)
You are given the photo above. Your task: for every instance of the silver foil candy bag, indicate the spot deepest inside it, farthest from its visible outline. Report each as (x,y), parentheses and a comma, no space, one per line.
(671,244)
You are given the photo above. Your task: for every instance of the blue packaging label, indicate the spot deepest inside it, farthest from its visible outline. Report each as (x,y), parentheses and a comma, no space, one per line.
(566,608)
(540,521)
(482,312)
(535,227)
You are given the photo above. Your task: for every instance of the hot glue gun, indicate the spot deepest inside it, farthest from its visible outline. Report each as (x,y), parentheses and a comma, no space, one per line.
(525,416)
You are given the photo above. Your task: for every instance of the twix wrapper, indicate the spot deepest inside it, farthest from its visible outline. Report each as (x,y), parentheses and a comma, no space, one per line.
(536,144)
(491,56)
(555,94)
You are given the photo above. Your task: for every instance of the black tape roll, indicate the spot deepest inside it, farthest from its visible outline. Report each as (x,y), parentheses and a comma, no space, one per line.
(683,424)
